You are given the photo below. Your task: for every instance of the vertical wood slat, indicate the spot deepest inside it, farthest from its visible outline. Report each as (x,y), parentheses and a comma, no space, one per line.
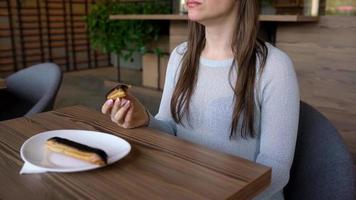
(49,41)
(95,52)
(11,26)
(39,18)
(19,19)
(87,32)
(74,55)
(65,34)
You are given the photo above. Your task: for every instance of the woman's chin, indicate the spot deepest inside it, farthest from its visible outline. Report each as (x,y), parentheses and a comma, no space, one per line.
(194,17)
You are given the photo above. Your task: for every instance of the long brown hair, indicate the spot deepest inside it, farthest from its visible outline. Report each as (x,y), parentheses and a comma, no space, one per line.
(246,47)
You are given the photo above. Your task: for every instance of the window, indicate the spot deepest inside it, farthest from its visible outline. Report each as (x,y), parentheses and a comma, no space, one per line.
(341,7)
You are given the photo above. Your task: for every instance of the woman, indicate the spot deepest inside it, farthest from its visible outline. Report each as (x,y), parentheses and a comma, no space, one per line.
(227,90)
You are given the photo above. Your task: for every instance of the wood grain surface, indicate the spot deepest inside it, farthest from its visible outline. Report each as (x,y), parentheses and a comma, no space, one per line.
(159,166)
(324,56)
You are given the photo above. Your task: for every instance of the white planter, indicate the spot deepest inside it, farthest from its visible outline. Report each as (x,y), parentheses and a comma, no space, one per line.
(132,63)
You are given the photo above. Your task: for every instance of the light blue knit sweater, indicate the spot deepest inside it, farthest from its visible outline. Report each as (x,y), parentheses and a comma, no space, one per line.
(276,113)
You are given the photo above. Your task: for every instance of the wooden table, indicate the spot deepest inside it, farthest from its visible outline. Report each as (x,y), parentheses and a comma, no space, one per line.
(159,166)
(2,83)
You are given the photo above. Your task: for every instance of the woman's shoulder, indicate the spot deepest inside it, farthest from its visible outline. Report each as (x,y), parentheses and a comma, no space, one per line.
(180,49)
(177,55)
(278,74)
(276,55)
(175,60)
(277,62)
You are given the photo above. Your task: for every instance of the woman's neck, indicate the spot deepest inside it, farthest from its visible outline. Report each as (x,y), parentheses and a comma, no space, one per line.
(219,36)
(218,43)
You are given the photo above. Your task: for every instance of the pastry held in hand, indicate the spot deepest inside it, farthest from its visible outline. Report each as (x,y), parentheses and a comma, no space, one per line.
(77,150)
(118,92)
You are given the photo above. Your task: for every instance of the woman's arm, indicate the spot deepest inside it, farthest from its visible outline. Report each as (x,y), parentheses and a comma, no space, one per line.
(163,121)
(128,112)
(279,101)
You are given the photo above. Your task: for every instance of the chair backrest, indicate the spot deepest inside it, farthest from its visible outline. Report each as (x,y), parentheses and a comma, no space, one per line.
(322,168)
(37,84)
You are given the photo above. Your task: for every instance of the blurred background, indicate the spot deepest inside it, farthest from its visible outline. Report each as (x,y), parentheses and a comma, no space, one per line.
(100,43)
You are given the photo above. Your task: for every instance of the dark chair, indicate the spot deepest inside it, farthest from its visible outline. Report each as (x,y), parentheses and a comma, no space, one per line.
(29,91)
(322,168)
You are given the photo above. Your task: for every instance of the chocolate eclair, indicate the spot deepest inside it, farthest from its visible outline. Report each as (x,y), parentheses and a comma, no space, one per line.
(77,150)
(117,92)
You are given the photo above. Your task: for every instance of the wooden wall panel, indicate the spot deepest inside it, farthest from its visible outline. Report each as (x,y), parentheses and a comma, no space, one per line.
(324,55)
(177,33)
(46,31)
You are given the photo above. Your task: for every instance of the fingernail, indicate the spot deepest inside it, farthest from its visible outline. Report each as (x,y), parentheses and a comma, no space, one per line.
(124,101)
(117,101)
(127,103)
(109,102)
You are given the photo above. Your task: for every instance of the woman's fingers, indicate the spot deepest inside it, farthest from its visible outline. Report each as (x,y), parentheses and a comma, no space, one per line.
(115,108)
(127,112)
(121,113)
(106,108)
(129,115)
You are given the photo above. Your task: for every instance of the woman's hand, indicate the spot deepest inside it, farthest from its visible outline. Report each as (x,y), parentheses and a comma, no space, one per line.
(126,112)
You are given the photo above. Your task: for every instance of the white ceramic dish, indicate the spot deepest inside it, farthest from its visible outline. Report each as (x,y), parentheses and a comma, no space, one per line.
(35,152)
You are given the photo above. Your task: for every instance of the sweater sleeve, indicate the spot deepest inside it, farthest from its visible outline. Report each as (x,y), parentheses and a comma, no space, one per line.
(163,121)
(279,103)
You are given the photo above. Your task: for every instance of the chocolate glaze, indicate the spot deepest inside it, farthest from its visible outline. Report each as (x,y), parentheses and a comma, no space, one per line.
(81,147)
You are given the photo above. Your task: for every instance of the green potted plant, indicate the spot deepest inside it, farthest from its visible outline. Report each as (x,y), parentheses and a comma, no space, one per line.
(124,38)
(267,7)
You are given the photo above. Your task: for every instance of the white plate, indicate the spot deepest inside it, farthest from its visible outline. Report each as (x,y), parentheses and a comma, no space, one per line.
(35,152)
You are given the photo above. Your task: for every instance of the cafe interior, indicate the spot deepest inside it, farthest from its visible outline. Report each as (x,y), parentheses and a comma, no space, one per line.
(61,59)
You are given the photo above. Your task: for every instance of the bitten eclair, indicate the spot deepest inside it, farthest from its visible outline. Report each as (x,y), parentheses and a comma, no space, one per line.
(117,92)
(77,150)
